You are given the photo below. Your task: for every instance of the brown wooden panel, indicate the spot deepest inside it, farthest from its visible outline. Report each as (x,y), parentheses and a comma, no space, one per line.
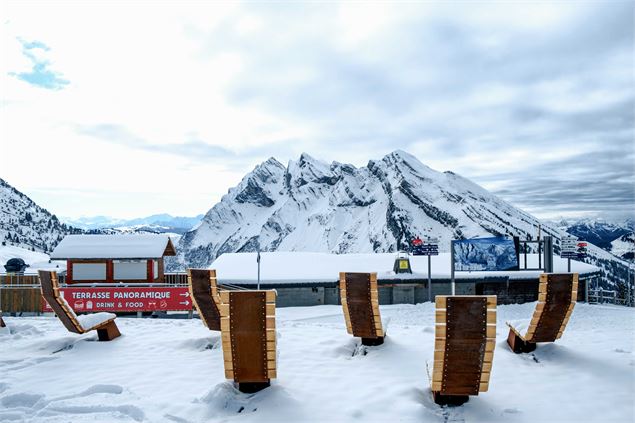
(557,302)
(247,311)
(465,344)
(50,292)
(200,285)
(20,299)
(359,304)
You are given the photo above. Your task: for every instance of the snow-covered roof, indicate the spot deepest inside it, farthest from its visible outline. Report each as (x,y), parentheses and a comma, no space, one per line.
(141,246)
(302,267)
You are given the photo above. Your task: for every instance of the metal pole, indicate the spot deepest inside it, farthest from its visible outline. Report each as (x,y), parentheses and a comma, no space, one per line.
(258,260)
(568,265)
(452,266)
(429,277)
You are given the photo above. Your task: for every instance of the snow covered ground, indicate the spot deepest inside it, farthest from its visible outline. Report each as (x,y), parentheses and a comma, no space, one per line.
(163,370)
(35,259)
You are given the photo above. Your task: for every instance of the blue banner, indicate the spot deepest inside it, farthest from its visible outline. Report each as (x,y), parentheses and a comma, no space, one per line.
(492,254)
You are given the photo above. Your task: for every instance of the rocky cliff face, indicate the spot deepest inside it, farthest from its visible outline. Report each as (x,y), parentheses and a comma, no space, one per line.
(310,205)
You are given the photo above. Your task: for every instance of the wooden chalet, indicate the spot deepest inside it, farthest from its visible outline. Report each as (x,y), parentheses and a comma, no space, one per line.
(114,258)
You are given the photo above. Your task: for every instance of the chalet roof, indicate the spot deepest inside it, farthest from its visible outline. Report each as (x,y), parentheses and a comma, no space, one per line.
(305,267)
(140,246)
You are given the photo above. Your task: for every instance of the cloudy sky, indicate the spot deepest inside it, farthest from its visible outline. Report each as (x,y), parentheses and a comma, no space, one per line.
(129,109)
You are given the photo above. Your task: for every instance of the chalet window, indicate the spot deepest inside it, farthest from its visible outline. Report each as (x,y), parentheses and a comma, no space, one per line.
(130,270)
(89,271)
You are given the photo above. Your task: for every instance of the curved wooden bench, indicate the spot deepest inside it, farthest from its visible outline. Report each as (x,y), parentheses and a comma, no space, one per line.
(203,289)
(248,332)
(103,323)
(465,336)
(557,294)
(360,302)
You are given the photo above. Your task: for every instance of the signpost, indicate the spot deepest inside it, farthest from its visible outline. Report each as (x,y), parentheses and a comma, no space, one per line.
(84,299)
(430,248)
(572,248)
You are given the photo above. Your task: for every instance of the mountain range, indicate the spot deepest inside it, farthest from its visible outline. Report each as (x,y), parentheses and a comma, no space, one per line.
(310,205)
(158,223)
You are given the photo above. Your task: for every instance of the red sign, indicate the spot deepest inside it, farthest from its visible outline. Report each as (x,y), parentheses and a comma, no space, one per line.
(125,299)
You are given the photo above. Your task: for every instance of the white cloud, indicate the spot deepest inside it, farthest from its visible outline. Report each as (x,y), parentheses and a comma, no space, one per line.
(347,81)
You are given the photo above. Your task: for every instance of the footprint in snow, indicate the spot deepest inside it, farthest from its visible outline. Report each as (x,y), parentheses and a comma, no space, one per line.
(25,405)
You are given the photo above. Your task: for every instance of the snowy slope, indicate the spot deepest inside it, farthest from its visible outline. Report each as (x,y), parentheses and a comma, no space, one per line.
(313,206)
(597,231)
(624,246)
(25,224)
(172,371)
(35,260)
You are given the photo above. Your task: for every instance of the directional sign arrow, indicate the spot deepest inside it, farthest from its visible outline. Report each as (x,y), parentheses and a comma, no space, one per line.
(187,294)
(185,302)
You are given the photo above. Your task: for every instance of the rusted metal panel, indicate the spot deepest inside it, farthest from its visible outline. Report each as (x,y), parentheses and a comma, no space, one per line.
(558,301)
(248,333)
(50,292)
(200,282)
(465,342)
(359,304)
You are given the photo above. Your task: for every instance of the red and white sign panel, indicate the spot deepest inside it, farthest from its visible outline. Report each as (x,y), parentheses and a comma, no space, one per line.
(125,299)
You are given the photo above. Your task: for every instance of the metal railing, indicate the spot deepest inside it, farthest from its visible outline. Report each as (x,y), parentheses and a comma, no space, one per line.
(606,296)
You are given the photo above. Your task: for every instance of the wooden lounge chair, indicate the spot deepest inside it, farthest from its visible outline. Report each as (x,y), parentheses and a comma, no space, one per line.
(103,323)
(204,293)
(557,294)
(360,301)
(248,332)
(465,336)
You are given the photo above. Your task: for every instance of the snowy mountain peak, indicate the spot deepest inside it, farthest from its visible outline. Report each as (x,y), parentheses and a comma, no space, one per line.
(313,206)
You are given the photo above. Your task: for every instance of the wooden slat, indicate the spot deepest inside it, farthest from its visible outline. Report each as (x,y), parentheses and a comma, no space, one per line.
(270,309)
(440,331)
(441,301)
(223,309)
(270,296)
(440,316)
(272,373)
(270,323)
(229,365)
(491,331)
(271,355)
(224,297)
(491,316)
(483,387)
(224,324)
